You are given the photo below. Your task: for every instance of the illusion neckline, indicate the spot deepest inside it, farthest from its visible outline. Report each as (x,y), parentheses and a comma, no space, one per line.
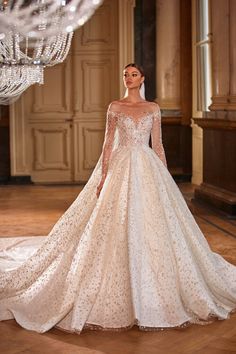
(130,117)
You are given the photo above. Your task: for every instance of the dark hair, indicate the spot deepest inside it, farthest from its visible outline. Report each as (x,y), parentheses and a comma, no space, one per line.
(138,67)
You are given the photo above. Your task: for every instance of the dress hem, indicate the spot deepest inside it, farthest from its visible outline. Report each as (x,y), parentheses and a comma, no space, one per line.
(95,327)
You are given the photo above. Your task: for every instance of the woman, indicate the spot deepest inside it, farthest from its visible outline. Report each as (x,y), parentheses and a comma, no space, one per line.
(127,251)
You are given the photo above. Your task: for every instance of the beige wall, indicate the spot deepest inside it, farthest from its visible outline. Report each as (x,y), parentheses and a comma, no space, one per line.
(57,129)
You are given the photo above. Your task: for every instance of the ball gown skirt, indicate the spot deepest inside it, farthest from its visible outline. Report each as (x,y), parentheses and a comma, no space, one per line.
(135,255)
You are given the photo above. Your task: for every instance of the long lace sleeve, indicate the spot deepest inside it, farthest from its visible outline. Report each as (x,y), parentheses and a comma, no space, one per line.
(108,141)
(156,135)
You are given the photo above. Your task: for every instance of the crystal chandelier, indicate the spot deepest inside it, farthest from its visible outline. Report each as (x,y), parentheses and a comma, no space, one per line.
(23,59)
(37,18)
(16,79)
(35,34)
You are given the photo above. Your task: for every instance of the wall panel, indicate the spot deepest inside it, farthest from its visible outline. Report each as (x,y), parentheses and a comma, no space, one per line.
(57,129)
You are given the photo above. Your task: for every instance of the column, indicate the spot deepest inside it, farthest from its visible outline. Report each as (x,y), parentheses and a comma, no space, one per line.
(232,54)
(126,37)
(168,54)
(220,63)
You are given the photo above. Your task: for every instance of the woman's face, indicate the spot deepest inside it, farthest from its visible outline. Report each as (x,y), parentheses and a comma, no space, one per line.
(132,77)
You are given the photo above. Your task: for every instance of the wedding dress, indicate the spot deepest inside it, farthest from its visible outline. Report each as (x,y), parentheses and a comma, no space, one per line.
(135,255)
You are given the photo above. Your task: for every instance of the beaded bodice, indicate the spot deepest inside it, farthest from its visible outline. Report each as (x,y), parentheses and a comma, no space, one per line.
(133,132)
(132,127)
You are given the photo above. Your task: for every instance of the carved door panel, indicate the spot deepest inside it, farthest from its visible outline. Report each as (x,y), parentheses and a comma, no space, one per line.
(57,129)
(50,124)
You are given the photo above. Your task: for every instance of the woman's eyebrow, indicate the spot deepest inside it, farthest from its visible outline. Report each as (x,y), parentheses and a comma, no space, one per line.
(133,72)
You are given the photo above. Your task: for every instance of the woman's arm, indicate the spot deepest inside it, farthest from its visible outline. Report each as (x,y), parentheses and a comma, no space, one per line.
(156,135)
(108,140)
(107,145)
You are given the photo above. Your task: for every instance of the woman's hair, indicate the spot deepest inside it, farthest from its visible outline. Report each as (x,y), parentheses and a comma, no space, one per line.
(138,67)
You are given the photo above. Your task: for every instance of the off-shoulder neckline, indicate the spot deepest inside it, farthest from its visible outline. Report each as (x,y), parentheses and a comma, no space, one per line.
(133,105)
(128,114)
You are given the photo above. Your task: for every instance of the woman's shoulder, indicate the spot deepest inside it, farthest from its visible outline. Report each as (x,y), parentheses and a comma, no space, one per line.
(153,106)
(114,105)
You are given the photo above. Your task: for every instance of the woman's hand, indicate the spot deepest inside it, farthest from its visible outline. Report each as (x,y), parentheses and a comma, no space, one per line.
(99,187)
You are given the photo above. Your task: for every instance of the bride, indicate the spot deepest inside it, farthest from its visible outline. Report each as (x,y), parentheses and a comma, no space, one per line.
(127,251)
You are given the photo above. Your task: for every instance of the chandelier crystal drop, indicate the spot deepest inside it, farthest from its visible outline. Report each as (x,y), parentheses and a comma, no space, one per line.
(35,34)
(16,79)
(22,60)
(37,18)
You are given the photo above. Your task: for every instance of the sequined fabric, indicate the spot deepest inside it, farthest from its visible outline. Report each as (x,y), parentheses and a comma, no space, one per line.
(135,255)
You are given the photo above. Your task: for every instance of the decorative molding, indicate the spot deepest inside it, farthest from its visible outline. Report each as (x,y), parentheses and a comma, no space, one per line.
(88,140)
(167,120)
(232,98)
(232,102)
(90,134)
(171,117)
(197,154)
(211,123)
(59,89)
(96,83)
(49,117)
(19,139)
(220,103)
(100,31)
(46,139)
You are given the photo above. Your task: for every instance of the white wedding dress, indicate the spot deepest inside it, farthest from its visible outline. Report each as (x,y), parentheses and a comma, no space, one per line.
(133,256)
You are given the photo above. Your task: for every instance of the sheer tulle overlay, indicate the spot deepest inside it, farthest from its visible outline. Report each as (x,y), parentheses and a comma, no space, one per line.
(135,255)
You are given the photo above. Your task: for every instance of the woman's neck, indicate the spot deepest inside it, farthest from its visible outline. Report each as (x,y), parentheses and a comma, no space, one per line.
(133,97)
